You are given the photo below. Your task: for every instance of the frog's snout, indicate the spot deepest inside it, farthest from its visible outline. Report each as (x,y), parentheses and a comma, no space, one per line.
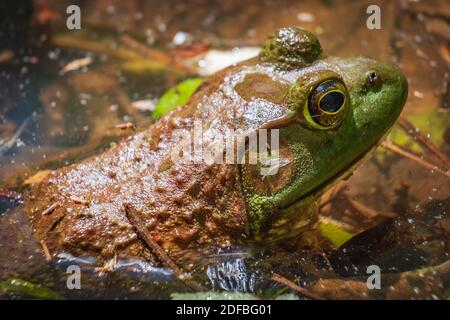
(379,92)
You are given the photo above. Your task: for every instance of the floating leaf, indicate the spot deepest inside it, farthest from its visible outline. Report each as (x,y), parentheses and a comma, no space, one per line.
(25,288)
(176,96)
(335,233)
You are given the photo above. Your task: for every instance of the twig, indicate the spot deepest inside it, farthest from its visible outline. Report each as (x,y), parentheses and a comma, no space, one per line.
(293,286)
(80,201)
(145,51)
(50,209)
(134,216)
(397,149)
(330,194)
(127,125)
(423,140)
(151,53)
(47,254)
(343,225)
(366,211)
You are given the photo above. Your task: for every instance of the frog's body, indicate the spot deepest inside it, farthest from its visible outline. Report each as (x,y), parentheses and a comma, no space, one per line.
(189,204)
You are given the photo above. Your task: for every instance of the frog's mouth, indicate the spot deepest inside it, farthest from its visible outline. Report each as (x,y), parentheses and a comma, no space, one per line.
(301,214)
(344,173)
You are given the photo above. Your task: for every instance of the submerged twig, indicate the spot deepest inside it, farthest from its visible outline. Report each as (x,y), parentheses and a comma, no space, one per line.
(424,163)
(76,64)
(125,126)
(134,216)
(366,211)
(291,285)
(424,141)
(145,51)
(330,194)
(153,54)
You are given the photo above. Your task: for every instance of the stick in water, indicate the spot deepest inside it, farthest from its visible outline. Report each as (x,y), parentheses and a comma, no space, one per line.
(134,216)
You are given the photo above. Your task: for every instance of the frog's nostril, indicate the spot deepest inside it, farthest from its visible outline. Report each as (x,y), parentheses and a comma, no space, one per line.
(373,80)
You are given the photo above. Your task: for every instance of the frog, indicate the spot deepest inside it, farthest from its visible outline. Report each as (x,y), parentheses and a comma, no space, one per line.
(328,114)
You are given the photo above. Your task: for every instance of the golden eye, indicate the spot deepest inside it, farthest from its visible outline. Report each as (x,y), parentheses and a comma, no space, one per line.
(327,104)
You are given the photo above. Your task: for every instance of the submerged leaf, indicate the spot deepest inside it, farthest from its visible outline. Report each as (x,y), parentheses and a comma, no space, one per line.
(212,295)
(432,123)
(335,233)
(25,288)
(176,96)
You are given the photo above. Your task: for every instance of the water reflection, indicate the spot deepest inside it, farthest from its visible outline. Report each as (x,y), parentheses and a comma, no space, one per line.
(231,275)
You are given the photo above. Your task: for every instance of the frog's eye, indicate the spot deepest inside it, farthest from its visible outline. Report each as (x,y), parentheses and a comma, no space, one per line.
(327,104)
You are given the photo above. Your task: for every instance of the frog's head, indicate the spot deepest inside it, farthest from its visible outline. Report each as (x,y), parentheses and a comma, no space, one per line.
(338,109)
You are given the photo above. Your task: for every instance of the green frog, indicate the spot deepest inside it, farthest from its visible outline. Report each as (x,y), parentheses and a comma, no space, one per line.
(322,116)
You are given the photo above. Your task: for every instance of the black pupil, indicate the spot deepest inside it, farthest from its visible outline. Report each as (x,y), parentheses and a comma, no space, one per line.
(332,101)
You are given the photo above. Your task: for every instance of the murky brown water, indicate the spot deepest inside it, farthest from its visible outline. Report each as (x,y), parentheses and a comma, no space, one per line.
(70,115)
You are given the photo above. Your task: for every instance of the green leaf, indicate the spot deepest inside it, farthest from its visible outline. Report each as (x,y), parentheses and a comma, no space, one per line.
(287,296)
(176,96)
(432,123)
(212,295)
(335,233)
(25,288)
